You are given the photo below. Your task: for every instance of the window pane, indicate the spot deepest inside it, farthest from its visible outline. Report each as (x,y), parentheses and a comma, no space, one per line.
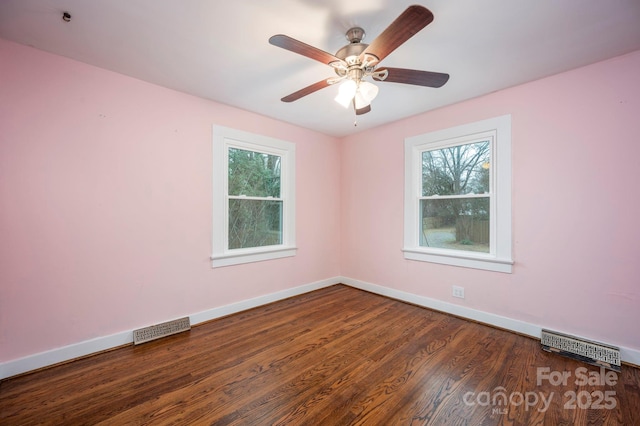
(457,170)
(254,174)
(254,223)
(457,224)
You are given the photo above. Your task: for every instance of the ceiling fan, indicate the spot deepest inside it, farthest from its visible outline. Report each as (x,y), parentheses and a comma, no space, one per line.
(357,61)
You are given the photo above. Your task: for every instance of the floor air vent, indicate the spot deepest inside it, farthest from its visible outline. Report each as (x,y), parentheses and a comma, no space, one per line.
(157,331)
(583,350)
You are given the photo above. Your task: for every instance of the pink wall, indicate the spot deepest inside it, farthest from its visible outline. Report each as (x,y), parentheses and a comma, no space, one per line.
(575,205)
(105,204)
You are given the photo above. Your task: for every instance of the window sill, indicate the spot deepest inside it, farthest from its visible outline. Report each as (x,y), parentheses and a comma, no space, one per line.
(465,260)
(238,257)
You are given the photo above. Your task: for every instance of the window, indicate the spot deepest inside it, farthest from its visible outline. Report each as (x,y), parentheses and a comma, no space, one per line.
(253,197)
(458,196)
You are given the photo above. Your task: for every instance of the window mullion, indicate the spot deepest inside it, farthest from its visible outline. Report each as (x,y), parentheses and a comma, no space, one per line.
(453,197)
(247,197)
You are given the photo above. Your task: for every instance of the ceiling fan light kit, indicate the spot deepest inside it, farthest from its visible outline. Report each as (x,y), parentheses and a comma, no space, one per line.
(357,61)
(367,91)
(346,92)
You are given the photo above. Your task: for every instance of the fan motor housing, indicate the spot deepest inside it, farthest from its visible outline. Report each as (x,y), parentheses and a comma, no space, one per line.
(350,52)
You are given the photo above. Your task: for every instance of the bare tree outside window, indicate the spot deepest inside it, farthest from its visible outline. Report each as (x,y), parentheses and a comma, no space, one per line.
(455,203)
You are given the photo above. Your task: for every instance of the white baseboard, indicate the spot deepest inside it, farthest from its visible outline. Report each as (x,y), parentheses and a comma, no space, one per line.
(65,353)
(99,344)
(629,355)
(88,347)
(259,301)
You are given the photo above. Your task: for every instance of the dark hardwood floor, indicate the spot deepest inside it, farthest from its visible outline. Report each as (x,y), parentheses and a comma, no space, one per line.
(336,356)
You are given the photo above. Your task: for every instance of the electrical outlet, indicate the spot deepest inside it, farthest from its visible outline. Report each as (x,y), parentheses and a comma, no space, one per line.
(458,292)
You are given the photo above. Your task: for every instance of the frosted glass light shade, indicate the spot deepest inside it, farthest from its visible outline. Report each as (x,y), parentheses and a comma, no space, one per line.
(368,91)
(346,92)
(360,101)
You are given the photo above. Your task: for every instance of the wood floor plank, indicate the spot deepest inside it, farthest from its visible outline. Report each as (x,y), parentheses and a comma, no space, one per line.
(301,371)
(356,360)
(336,356)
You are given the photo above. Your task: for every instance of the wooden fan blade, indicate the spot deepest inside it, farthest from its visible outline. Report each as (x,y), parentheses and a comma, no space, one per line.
(419,78)
(363,110)
(306,91)
(295,46)
(405,26)
(359,111)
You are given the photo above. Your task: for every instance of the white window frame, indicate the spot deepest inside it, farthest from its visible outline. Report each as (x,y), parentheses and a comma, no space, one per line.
(498,131)
(223,139)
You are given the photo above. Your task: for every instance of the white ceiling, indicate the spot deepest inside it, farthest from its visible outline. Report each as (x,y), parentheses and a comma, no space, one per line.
(219,50)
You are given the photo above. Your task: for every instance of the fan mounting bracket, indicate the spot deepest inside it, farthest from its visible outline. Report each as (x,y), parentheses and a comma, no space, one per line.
(355,35)
(380,75)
